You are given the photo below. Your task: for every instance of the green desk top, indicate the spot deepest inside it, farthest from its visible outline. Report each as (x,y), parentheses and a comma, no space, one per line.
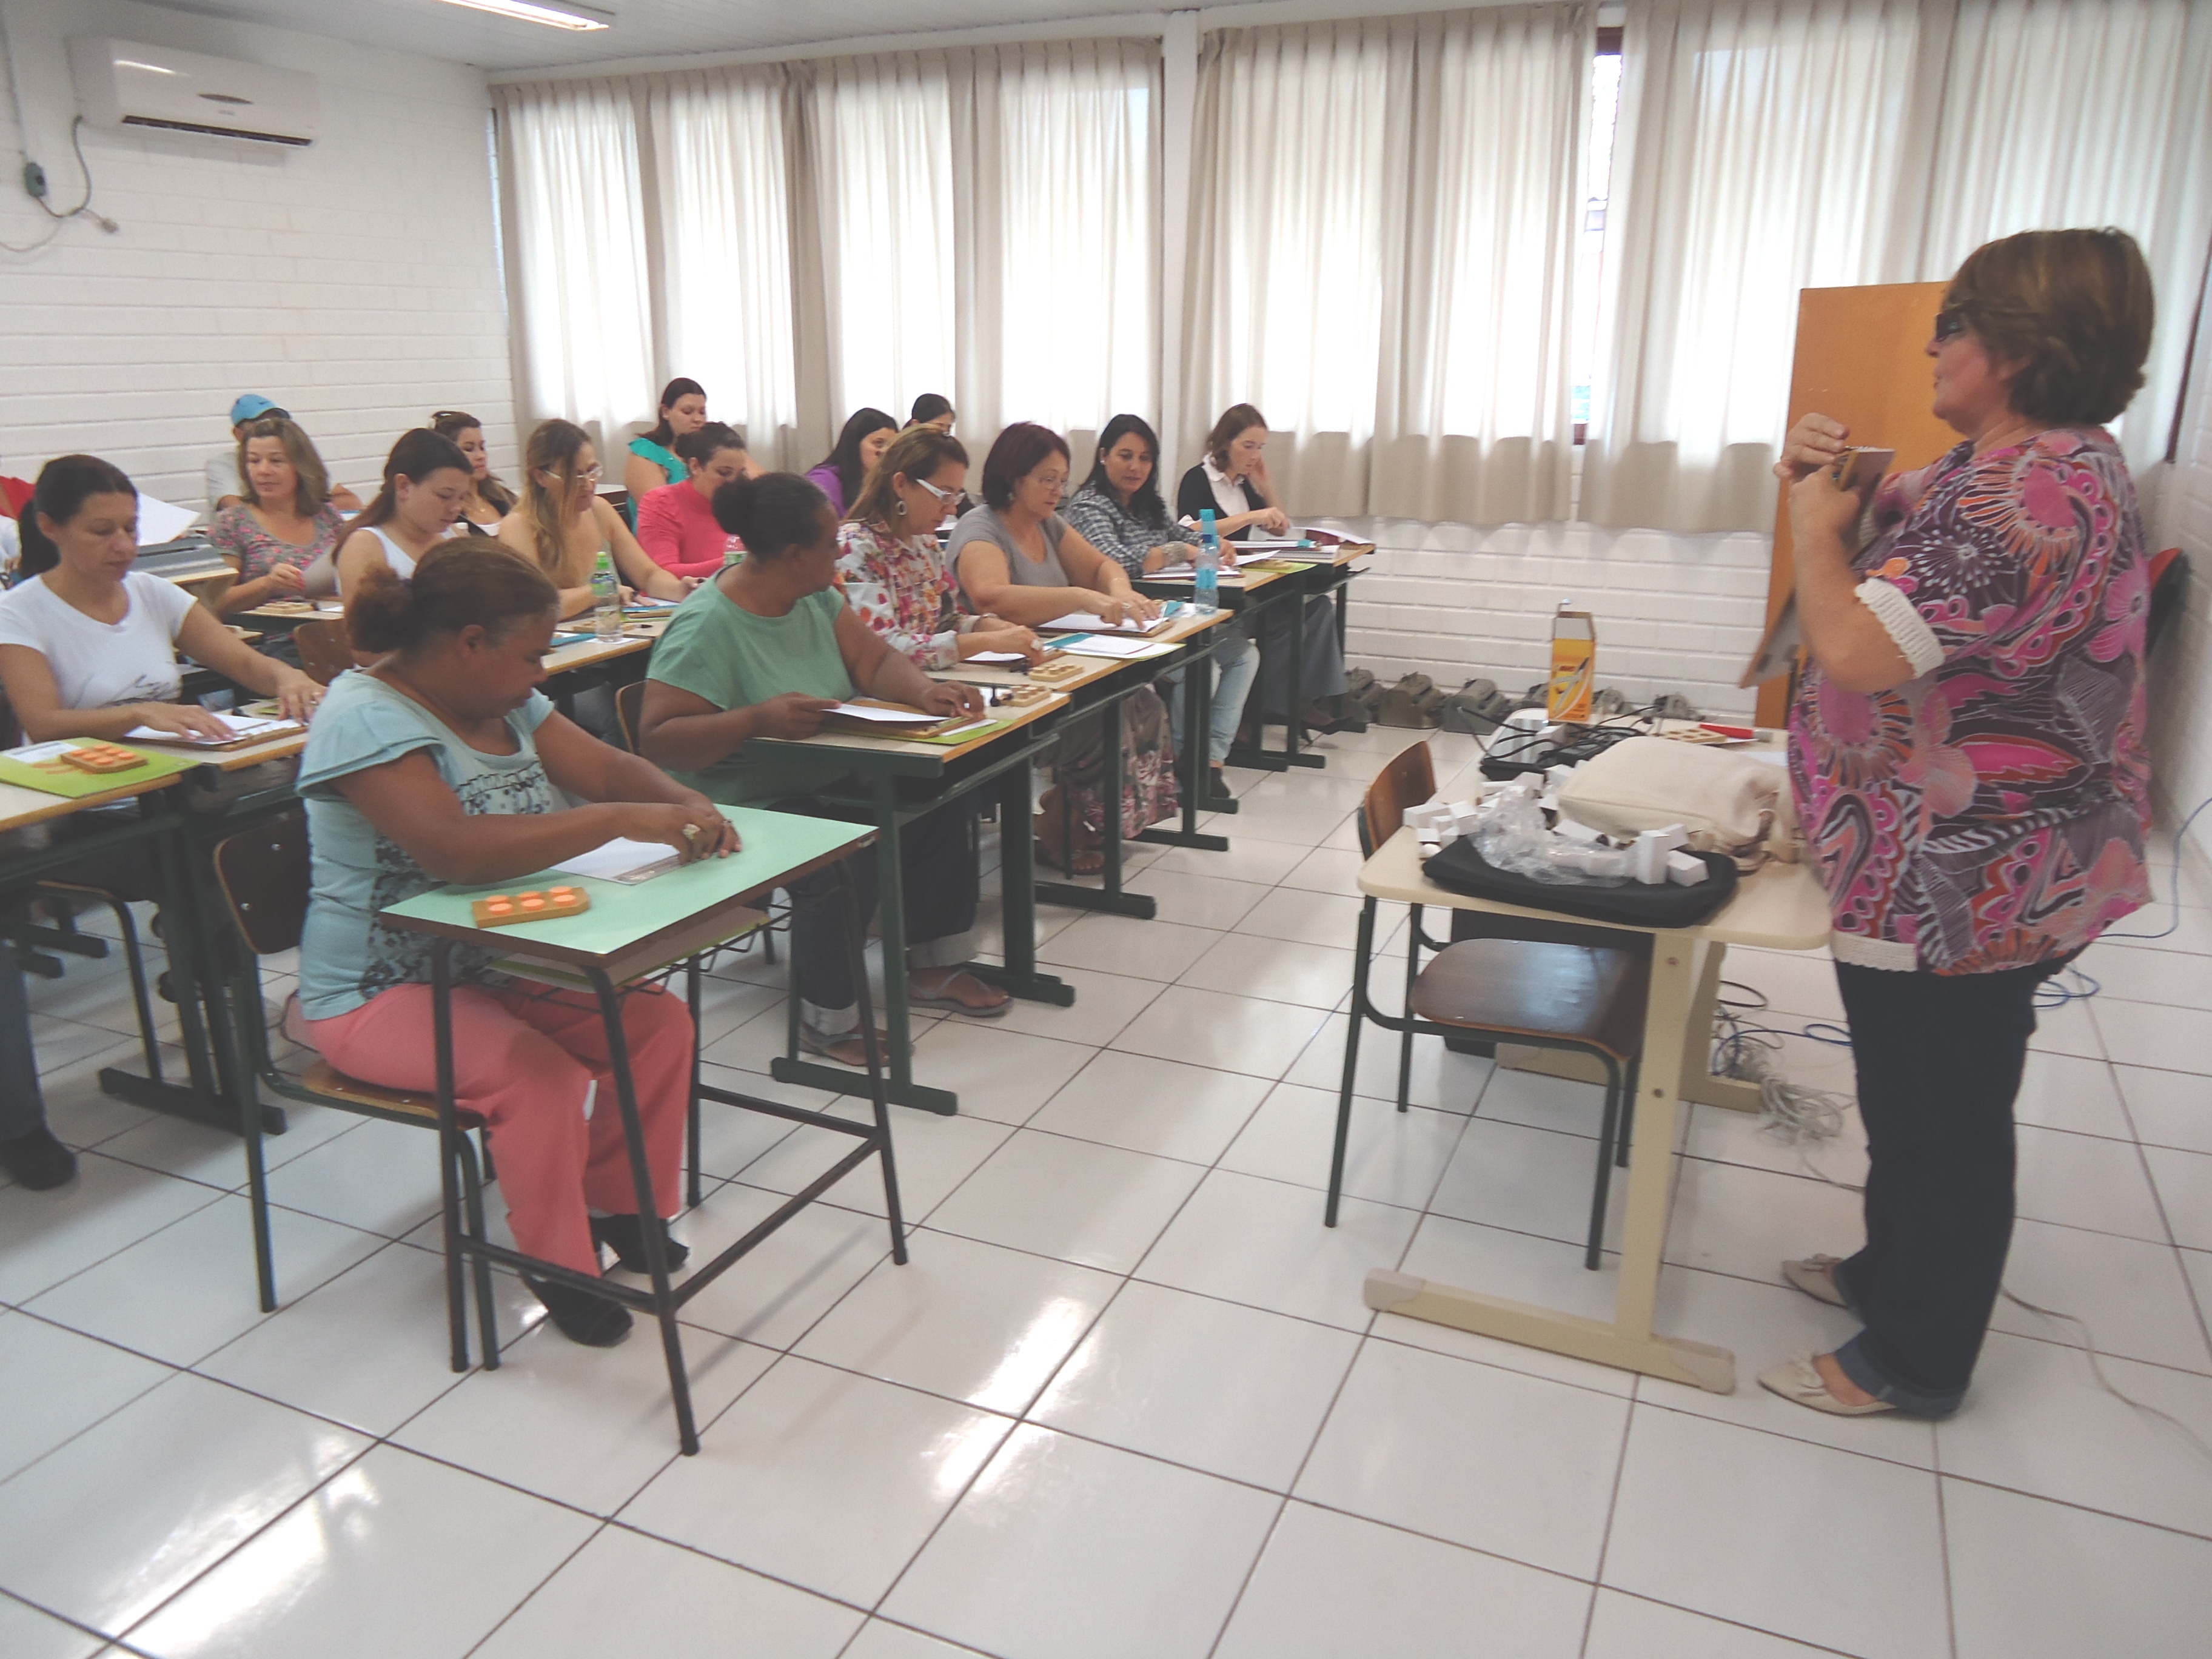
(623,916)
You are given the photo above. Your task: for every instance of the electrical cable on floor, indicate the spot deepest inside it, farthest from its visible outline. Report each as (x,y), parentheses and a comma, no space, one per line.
(1802,1117)
(2175,902)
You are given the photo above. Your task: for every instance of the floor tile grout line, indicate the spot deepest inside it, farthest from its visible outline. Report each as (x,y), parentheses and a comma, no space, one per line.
(1611,1508)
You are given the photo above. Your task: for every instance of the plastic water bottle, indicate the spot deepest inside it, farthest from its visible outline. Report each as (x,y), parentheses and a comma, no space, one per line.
(606,597)
(1206,586)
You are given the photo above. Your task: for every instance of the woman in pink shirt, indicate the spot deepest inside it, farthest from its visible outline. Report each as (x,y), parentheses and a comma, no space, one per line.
(676,523)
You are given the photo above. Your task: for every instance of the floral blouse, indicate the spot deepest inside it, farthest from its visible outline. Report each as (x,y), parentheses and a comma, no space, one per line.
(238,533)
(1991,813)
(1111,528)
(905,592)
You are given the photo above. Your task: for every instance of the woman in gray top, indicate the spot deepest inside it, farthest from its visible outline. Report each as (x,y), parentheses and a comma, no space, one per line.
(1016,557)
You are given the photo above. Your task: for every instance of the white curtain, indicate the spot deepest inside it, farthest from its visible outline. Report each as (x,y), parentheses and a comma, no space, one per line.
(1056,153)
(883,129)
(724,218)
(1770,145)
(1382,214)
(581,282)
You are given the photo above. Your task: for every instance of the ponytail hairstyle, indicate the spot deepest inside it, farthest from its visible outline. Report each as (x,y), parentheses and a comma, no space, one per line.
(916,452)
(65,485)
(708,441)
(490,488)
(770,514)
(417,455)
(677,388)
(312,478)
(845,458)
(554,447)
(456,584)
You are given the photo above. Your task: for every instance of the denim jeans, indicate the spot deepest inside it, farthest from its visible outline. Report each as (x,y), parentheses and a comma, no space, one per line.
(1239,663)
(1939,1058)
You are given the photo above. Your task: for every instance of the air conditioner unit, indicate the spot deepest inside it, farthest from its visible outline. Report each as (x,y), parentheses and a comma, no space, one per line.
(125,83)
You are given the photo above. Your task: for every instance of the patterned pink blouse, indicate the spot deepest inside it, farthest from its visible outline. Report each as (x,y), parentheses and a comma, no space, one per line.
(905,592)
(1991,813)
(239,533)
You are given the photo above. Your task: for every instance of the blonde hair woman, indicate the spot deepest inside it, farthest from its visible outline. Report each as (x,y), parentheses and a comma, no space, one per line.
(561,524)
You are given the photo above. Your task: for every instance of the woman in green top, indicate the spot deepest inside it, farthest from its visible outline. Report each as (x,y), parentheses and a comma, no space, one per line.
(763,650)
(653,461)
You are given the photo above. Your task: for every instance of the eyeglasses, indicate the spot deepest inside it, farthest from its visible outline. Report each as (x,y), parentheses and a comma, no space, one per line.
(1950,323)
(941,494)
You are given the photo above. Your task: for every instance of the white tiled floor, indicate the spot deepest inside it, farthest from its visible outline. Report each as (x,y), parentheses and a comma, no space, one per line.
(1125,1400)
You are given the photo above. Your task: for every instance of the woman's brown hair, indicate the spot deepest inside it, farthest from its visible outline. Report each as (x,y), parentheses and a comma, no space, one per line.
(917,452)
(312,479)
(1236,420)
(455,585)
(2073,307)
(417,455)
(490,488)
(553,447)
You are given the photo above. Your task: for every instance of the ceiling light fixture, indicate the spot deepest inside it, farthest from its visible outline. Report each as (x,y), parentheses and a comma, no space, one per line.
(554,14)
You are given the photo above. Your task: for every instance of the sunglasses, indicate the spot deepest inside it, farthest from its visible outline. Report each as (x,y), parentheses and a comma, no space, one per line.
(1950,323)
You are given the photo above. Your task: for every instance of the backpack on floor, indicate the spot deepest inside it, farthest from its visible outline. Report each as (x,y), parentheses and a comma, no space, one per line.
(1361,698)
(1413,701)
(1478,707)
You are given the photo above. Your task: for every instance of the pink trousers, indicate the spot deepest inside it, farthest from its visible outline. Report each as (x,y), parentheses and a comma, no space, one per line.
(525,1060)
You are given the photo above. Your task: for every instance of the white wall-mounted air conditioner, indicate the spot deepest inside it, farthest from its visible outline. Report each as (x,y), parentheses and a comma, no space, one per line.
(126,83)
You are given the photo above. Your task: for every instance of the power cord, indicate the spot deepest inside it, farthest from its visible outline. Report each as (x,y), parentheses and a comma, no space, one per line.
(2175,902)
(33,176)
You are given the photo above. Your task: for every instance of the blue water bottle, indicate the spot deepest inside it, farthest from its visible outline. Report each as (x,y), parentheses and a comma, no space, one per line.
(1206,594)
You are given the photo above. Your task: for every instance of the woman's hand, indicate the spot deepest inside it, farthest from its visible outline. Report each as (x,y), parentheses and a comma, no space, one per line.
(695,831)
(183,720)
(1822,511)
(792,716)
(1115,608)
(286,579)
(1159,558)
(1000,636)
(1813,444)
(1275,521)
(297,694)
(950,697)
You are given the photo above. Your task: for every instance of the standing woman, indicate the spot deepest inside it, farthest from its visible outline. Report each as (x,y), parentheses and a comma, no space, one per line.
(1017,558)
(427,485)
(1120,511)
(888,560)
(676,523)
(842,473)
(490,500)
(652,460)
(561,523)
(1231,480)
(1968,754)
(284,523)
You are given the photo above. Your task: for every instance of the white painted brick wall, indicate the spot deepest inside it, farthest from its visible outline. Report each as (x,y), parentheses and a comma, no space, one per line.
(1674,612)
(2181,672)
(355,282)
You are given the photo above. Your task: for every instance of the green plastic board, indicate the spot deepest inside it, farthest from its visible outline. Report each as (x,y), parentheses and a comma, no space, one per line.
(621,914)
(72,785)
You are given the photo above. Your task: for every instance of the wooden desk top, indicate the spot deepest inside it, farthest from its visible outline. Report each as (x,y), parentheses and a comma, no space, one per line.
(1779,907)
(1086,670)
(20,806)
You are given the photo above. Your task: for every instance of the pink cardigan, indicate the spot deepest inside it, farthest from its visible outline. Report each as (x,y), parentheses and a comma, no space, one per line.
(675,528)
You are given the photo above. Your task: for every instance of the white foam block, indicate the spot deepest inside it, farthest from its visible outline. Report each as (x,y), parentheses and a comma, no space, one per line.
(1684,871)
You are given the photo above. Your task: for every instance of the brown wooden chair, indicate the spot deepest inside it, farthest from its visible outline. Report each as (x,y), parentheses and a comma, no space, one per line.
(264,873)
(325,648)
(1538,992)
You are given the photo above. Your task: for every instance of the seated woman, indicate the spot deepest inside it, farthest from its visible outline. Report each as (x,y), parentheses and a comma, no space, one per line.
(563,524)
(888,559)
(444,762)
(1231,481)
(840,474)
(932,409)
(762,650)
(1017,558)
(490,500)
(676,523)
(427,485)
(652,460)
(1120,513)
(89,649)
(285,523)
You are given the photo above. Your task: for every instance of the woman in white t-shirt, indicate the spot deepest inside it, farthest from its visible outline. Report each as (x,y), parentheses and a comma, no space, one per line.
(428,485)
(89,647)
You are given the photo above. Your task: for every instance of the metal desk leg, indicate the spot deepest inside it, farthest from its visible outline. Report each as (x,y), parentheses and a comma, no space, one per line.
(1627,1341)
(1341,595)
(1017,902)
(1197,758)
(1108,897)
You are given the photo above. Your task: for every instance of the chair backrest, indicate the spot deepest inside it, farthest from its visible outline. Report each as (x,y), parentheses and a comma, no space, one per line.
(629,707)
(1407,781)
(325,648)
(264,876)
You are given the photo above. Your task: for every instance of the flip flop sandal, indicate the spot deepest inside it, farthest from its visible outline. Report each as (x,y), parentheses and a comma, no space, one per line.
(944,997)
(1090,862)
(843,1047)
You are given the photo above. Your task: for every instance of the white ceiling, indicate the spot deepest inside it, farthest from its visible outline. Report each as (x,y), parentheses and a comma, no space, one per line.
(643,28)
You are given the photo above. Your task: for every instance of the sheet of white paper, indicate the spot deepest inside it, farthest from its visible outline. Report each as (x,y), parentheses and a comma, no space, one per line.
(32,754)
(1082,622)
(996,657)
(1101,645)
(1767,757)
(161,521)
(860,711)
(612,861)
(241,725)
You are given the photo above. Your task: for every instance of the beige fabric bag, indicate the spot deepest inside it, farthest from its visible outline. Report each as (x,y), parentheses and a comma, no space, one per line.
(1729,802)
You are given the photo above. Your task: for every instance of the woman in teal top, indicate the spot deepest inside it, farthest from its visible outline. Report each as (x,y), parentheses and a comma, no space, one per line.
(444,762)
(763,650)
(653,460)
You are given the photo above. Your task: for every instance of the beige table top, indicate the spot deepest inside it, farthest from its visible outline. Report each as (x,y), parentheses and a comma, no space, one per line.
(20,806)
(864,742)
(1089,670)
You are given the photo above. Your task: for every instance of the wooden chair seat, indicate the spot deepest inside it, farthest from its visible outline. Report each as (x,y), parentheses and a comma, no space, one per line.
(325,1078)
(1522,987)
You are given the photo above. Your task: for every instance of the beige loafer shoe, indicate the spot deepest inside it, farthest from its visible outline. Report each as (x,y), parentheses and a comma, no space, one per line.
(1797,1379)
(1815,1275)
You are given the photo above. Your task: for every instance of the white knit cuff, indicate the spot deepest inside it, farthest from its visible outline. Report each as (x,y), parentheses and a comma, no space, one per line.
(1890,955)
(1913,637)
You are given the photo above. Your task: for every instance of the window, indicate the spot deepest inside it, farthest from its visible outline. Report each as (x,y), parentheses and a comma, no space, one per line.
(1590,248)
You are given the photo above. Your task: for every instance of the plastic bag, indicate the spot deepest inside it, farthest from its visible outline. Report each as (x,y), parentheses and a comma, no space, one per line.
(1511,835)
